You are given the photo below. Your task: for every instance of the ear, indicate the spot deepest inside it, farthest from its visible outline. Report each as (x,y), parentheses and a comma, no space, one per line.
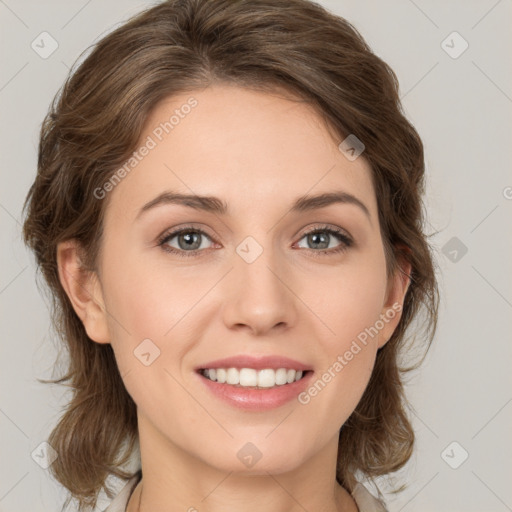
(398,284)
(83,288)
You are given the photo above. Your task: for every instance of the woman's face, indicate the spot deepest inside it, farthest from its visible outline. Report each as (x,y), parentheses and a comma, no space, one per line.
(246,281)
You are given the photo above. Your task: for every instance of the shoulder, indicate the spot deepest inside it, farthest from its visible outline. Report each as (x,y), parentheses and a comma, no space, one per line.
(367,502)
(119,503)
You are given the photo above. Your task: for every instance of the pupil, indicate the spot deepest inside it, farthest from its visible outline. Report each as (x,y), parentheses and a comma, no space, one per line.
(189,237)
(319,235)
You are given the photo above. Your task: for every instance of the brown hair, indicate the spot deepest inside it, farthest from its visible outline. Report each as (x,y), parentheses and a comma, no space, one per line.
(94,125)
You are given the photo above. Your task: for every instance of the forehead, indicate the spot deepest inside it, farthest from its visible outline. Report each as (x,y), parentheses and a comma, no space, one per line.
(246,146)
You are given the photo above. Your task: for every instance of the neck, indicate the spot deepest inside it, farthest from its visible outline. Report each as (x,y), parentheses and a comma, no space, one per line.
(343,502)
(174,480)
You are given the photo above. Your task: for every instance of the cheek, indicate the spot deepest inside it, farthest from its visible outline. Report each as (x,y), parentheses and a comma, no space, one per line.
(347,301)
(147,315)
(349,305)
(136,302)
(159,303)
(346,350)
(148,298)
(142,305)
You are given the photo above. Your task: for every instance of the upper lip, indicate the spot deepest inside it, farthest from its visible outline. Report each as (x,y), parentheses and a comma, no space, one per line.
(258,363)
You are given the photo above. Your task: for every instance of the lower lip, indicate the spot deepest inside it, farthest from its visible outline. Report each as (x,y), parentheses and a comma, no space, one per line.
(257,399)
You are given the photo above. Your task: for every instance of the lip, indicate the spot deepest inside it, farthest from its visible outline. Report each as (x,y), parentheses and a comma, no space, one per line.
(258,363)
(256,399)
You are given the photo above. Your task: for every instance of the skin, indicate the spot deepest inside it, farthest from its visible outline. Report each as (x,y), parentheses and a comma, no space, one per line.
(258,152)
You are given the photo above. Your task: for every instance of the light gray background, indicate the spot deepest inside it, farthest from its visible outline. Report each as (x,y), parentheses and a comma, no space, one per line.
(462,109)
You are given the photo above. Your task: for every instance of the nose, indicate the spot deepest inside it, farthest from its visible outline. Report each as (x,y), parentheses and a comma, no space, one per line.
(259,295)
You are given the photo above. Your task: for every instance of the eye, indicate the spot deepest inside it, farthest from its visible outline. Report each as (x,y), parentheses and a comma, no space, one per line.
(189,242)
(319,238)
(187,238)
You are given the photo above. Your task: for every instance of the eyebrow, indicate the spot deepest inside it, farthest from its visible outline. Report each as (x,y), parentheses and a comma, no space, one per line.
(215,205)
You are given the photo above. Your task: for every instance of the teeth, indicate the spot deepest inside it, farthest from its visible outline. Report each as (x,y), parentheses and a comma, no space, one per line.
(249,377)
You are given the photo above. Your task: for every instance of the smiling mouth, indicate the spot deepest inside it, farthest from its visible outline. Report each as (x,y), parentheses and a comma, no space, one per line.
(250,378)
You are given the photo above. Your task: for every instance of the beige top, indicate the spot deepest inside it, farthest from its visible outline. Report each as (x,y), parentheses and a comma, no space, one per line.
(365,501)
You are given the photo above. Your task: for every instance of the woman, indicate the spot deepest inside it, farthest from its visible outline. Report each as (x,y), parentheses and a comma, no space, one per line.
(186,173)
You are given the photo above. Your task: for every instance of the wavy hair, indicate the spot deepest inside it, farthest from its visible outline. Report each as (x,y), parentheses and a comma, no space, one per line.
(93,126)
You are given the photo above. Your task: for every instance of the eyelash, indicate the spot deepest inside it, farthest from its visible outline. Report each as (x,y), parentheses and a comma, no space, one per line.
(346,242)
